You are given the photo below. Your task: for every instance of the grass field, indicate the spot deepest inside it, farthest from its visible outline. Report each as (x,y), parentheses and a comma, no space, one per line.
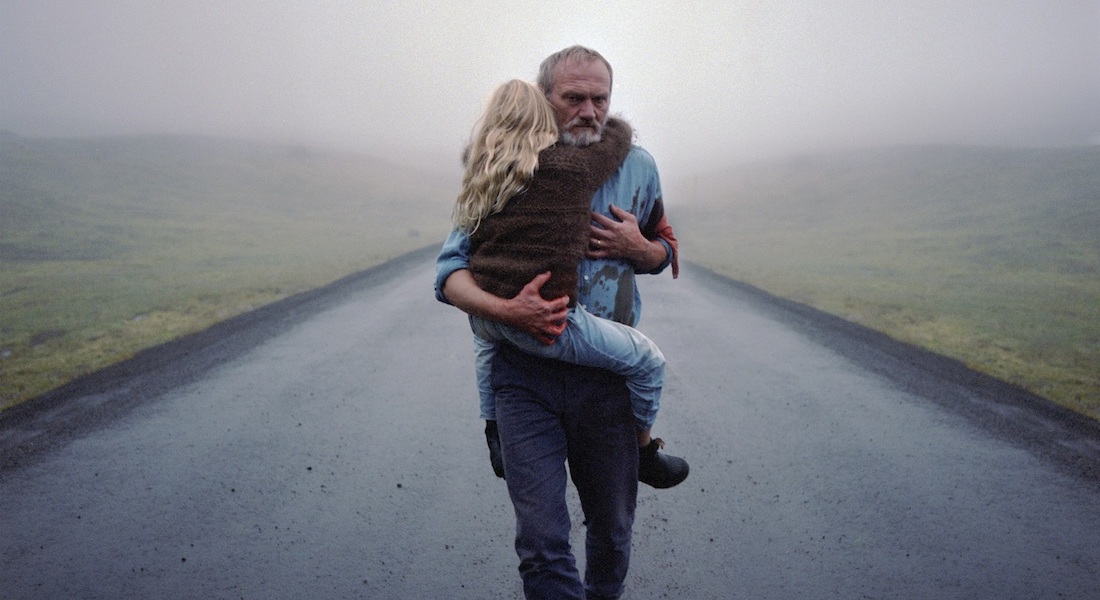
(989,256)
(112,245)
(108,246)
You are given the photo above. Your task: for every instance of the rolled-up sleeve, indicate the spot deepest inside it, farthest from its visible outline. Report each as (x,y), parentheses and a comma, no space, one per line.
(453,256)
(672,245)
(657,228)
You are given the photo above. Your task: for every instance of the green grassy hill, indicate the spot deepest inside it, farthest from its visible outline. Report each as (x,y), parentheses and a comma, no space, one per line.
(111,245)
(991,256)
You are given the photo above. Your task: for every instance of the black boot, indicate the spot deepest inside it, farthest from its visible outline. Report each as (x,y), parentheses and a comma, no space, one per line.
(492,438)
(660,470)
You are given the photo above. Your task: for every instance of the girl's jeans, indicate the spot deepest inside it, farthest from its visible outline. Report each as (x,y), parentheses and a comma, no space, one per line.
(587,341)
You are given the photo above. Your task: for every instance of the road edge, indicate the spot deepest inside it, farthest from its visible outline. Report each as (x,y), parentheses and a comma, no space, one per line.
(92,401)
(1010,412)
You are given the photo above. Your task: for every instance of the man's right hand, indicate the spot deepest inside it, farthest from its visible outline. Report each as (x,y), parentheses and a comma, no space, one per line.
(527,311)
(544,319)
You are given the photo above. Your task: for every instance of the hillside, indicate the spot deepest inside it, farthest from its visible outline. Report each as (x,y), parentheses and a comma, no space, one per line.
(109,245)
(991,256)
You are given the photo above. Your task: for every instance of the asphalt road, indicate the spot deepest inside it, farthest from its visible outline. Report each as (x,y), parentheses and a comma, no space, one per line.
(329,447)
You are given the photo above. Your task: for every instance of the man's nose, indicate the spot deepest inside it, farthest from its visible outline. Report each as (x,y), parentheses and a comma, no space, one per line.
(588,110)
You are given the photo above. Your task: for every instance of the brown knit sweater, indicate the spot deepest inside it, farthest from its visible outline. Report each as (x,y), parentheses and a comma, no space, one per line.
(546,227)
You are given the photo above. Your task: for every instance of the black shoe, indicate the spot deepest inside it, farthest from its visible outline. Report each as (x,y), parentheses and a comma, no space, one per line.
(660,470)
(492,438)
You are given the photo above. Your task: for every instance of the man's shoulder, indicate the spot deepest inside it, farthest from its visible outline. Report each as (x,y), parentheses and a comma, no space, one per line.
(638,170)
(639,173)
(641,159)
(637,179)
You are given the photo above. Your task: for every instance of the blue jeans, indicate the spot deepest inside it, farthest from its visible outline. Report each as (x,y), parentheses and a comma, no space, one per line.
(588,341)
(550,413)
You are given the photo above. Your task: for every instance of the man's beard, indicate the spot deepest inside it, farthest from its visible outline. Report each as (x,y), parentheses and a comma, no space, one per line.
(585,136)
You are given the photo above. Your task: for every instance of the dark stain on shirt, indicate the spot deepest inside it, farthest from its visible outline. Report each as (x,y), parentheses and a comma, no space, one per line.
(622,281)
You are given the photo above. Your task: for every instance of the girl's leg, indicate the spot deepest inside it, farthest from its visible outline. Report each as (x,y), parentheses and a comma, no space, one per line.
(594,342)
(591,341)
(484,350)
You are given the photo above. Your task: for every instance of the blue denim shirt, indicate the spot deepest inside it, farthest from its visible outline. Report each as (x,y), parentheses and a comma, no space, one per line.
(606,287)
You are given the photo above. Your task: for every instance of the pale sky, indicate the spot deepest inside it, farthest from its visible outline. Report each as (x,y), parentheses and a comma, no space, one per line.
(705,84)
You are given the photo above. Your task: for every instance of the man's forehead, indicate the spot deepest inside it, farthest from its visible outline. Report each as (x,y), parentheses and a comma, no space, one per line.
(578,71)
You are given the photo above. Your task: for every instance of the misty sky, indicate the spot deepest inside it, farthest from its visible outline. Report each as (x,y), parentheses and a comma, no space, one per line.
(704,83)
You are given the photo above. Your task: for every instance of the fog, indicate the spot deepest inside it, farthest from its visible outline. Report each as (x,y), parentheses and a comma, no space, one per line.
(704,83)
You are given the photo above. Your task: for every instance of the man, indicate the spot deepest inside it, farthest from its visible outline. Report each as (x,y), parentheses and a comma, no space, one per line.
(550,413)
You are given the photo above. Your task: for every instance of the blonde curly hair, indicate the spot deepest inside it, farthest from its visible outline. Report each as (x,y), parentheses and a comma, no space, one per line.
(500,160)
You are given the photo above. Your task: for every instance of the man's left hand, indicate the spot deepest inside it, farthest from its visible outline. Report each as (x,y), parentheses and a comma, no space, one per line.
(623,239)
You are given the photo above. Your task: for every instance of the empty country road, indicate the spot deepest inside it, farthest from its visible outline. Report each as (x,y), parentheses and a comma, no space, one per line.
(328,446)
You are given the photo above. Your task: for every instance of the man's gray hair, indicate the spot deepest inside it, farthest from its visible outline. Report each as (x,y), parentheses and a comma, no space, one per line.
(572,53)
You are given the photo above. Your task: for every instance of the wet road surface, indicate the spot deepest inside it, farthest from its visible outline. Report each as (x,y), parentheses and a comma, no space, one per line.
(329,447)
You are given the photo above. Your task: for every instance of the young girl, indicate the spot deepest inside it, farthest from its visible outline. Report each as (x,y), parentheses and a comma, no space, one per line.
(526,206)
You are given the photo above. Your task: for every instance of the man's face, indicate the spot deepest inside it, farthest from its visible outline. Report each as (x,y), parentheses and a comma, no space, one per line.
(581,96)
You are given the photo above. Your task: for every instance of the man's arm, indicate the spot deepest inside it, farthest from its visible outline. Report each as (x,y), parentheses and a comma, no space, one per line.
(528,311)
